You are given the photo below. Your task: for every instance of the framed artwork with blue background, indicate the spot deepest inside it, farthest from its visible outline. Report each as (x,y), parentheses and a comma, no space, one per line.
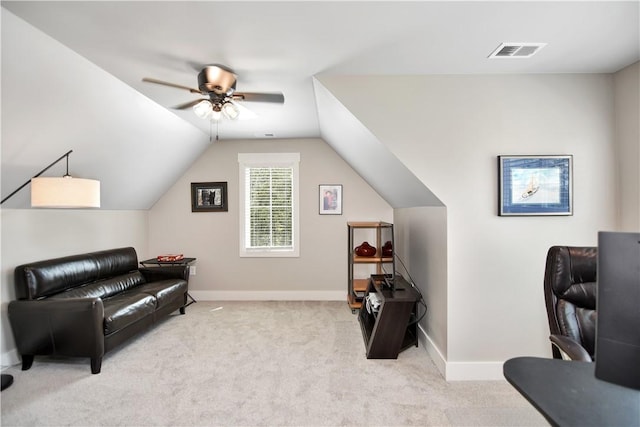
(535,185)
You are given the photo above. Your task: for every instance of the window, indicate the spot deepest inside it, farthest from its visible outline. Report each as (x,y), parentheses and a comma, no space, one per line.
(269,225)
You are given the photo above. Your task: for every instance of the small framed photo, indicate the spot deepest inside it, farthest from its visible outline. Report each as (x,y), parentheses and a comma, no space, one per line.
(535,185)
(330,199)
(209,197)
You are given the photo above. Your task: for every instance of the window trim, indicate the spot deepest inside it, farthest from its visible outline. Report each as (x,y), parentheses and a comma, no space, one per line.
(269,160)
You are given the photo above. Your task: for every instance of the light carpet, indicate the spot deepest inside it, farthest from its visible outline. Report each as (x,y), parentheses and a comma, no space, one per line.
(255,364)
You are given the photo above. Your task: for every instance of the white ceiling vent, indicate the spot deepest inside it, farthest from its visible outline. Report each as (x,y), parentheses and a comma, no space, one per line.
(516,50)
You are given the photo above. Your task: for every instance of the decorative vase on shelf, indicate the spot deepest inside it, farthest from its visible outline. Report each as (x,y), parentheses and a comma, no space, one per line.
(365,249)
(387,249)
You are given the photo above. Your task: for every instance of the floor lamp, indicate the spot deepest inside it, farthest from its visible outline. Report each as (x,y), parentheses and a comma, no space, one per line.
(61,192)
(58,192)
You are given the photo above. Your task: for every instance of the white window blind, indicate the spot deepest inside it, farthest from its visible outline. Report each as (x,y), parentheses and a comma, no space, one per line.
(268,214)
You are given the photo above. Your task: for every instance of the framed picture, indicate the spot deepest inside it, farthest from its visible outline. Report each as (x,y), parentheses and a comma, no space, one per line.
(535,185)
(208,197)
(330,199)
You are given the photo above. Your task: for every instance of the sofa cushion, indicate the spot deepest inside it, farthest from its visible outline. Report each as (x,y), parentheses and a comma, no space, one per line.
(45,278)
(126,308)
(113,262)
(164,291)
(104,288)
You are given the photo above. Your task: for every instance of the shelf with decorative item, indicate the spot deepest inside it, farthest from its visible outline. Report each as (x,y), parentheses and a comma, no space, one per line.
(370,252)
(371,260)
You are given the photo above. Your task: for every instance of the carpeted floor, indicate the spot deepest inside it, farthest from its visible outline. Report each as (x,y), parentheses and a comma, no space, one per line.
(256,364)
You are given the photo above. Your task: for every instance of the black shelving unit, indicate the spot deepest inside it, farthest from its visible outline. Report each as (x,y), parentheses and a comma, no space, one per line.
(391,328)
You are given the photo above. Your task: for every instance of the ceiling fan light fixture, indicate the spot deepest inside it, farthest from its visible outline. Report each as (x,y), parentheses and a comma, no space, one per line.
(203,109)
(216,113)
(215,78)
(230,110)
(218,82)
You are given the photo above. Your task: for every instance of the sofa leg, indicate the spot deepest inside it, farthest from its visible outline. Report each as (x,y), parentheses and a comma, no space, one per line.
(182,310)
(27,361)
(96,365)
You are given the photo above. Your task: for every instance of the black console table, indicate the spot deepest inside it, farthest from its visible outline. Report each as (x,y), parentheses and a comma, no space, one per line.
(568,393)
(183,261)
(391,328)
(154,261)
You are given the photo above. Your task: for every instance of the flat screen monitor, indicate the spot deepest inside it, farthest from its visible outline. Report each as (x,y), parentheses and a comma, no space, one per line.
(618,309)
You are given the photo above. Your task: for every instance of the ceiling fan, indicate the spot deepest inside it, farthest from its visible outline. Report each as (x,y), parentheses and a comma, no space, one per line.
(218,82)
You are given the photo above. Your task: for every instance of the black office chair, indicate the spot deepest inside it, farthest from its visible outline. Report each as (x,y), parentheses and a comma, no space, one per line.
(570,296)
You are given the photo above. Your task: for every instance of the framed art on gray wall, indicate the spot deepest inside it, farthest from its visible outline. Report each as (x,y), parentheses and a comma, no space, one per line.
(330,199)
(535,185)
(209,197)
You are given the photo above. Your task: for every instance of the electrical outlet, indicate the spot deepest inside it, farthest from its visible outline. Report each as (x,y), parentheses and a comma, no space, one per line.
(192,270)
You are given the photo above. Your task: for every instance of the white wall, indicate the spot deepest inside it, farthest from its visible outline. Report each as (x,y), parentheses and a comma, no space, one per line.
(213,238)
(448,130)
(627,113)
(36,234)
(421,245)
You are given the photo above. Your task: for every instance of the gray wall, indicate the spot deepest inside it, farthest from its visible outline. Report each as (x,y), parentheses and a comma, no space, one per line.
(213,238)
(448,130)
(627,112)
(421,245)
(170,226)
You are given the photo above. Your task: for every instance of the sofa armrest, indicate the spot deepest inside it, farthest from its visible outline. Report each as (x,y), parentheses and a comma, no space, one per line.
(70,327)
(152,274)
(570,349)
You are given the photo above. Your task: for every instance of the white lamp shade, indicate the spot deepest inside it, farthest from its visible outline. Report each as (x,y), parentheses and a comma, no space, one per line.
(65,192)
(230,110)
(215,115)
(203,109)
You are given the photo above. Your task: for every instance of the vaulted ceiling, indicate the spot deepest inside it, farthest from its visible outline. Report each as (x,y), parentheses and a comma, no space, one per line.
(82,63)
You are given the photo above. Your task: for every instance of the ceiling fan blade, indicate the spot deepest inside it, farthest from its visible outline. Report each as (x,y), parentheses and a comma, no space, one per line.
(160,82)
(258,97)
(187,104)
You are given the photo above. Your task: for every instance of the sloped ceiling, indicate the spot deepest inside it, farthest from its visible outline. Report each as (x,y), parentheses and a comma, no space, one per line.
(279,46)
(54,100)
(368,156)
(72,70)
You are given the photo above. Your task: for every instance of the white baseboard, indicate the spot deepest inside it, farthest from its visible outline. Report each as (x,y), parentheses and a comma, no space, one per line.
(433,351)
(269,295)
(474,371)
(9,358)
(460,371)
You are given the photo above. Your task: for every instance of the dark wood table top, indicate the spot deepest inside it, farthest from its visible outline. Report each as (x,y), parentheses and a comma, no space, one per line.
(568,393)
(154,261)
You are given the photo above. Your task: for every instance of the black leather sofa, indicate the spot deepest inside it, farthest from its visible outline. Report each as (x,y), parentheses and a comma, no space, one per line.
(85,305)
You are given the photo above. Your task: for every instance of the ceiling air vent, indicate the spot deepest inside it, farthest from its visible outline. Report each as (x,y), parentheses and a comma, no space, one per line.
(516,50)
